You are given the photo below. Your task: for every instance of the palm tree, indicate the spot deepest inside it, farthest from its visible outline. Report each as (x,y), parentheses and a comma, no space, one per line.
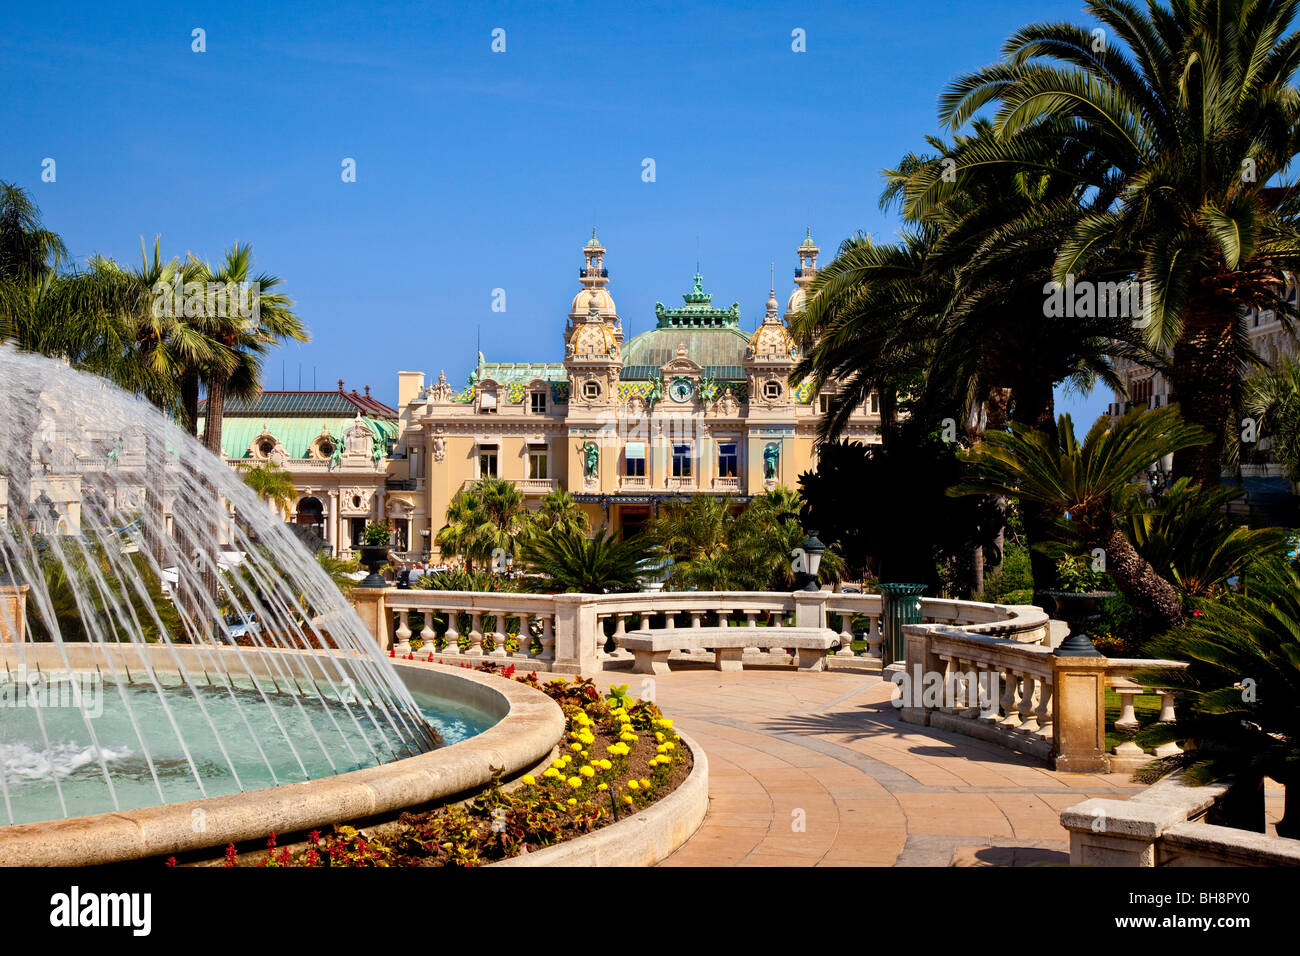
(164,344)
(27,248)
(696,537)
(248,337)
(596,565)
(482,519)
(273,485)
(1190,112)
(1246,730)
(1273,400)
(1085,482)
(558,511)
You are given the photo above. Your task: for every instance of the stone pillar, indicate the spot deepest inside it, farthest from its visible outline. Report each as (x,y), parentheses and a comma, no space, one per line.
(810,608)
(332,522)
(1079,714)
(372,609)
(576,631)
(13,613)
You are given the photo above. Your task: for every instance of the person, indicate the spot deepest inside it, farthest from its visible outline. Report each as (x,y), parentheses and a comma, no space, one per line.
(404,577)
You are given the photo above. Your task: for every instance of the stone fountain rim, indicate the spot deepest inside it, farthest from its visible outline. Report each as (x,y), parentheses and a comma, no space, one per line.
(530,724)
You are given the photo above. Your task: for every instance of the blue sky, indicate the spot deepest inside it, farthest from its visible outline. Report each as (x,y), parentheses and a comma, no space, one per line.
(479,170)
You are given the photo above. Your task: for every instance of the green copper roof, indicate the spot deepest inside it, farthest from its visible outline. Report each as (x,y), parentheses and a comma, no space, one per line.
(698,312)
(715,346)
(807,240)
(525,372)
(296,434)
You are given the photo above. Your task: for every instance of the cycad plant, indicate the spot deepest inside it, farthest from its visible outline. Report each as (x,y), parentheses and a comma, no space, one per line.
(1187,535)
(596,565)
(1083,482)
(1239,698)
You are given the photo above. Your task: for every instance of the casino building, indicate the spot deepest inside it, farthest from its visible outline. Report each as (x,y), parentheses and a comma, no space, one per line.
(694,406)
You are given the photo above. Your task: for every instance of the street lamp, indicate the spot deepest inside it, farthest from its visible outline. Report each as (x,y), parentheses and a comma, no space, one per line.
(807,559)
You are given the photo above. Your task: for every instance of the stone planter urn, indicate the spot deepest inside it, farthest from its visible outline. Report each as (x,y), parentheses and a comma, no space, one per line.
(1077,609)
(374,557)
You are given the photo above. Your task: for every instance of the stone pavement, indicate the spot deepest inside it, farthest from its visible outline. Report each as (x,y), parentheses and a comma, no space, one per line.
(817,770)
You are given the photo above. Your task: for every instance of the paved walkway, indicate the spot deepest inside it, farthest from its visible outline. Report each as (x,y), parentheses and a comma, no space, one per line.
(817,770)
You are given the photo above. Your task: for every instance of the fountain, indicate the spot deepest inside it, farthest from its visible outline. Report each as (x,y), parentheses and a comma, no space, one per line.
(163,637)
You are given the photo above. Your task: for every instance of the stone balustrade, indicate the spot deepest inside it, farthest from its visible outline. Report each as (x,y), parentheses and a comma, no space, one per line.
(582,632)
(1174,824)
(1022,696)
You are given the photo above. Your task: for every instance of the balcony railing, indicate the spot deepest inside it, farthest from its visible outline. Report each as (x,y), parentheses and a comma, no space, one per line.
(529,486)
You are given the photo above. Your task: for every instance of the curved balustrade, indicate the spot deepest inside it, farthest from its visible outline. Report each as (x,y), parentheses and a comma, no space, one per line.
(1005,691)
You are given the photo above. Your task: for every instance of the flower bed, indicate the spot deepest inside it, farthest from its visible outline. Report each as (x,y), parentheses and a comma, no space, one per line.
(619,755)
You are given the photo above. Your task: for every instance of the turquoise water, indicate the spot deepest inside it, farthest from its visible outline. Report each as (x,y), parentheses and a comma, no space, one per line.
(260,742)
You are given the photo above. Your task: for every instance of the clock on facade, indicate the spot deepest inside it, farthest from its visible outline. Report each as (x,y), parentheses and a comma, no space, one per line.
(681,390)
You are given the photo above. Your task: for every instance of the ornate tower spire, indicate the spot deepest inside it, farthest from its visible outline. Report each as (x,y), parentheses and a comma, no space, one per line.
(594,277)
(804,274)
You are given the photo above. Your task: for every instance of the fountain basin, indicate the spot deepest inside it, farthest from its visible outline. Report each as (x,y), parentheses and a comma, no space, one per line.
(528,724)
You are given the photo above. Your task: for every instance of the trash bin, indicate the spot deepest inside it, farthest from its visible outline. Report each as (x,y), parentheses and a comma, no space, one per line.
(900,604)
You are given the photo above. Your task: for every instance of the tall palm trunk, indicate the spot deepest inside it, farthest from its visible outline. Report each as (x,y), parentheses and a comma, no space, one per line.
(190,400)
(155,519)
(215,413)
(1035,406)
(1204,377)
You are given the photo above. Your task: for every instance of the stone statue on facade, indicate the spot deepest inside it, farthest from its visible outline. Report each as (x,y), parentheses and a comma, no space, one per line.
(771,460)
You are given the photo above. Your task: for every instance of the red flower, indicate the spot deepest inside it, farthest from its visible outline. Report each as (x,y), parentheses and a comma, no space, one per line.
(171,861)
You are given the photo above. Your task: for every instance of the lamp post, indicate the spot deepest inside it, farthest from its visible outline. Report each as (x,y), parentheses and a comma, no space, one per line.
(425,535)
(806,560)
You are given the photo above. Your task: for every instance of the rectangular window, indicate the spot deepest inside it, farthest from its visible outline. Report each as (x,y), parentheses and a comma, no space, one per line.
(487,461)
(728,460)
(537,401)
(488,402)
(634,459)
(537,463)
(681,461)
(823,403)
(875,403)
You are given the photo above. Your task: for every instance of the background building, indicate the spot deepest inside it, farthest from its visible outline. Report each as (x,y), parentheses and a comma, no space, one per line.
(335,446)
(695,405)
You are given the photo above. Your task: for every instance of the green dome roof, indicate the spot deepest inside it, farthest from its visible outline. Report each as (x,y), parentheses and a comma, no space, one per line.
(720,350)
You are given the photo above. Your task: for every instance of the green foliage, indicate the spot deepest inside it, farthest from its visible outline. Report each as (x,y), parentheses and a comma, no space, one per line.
(485,516)
(1078,575)
(1239,699)
(717,544)
(1013,578)
(884,508)
(1187,535)
(376,534)
(572,562)
(272,484)
(85,570)
(1273,399)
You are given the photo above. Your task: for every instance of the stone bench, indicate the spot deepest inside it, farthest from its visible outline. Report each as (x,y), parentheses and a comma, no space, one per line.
(650,651)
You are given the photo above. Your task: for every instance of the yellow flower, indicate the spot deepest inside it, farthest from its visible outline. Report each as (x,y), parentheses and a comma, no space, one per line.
(602,786)
(605,765)
(661,748)
(575,746)
(573,801)
(586,755)
(627,800)
(552,772)
(665,723)
(575,782)
(627,738)
(659,736)
(645,783)
(670,746)
(529,779)
(633,785)
(588,771)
